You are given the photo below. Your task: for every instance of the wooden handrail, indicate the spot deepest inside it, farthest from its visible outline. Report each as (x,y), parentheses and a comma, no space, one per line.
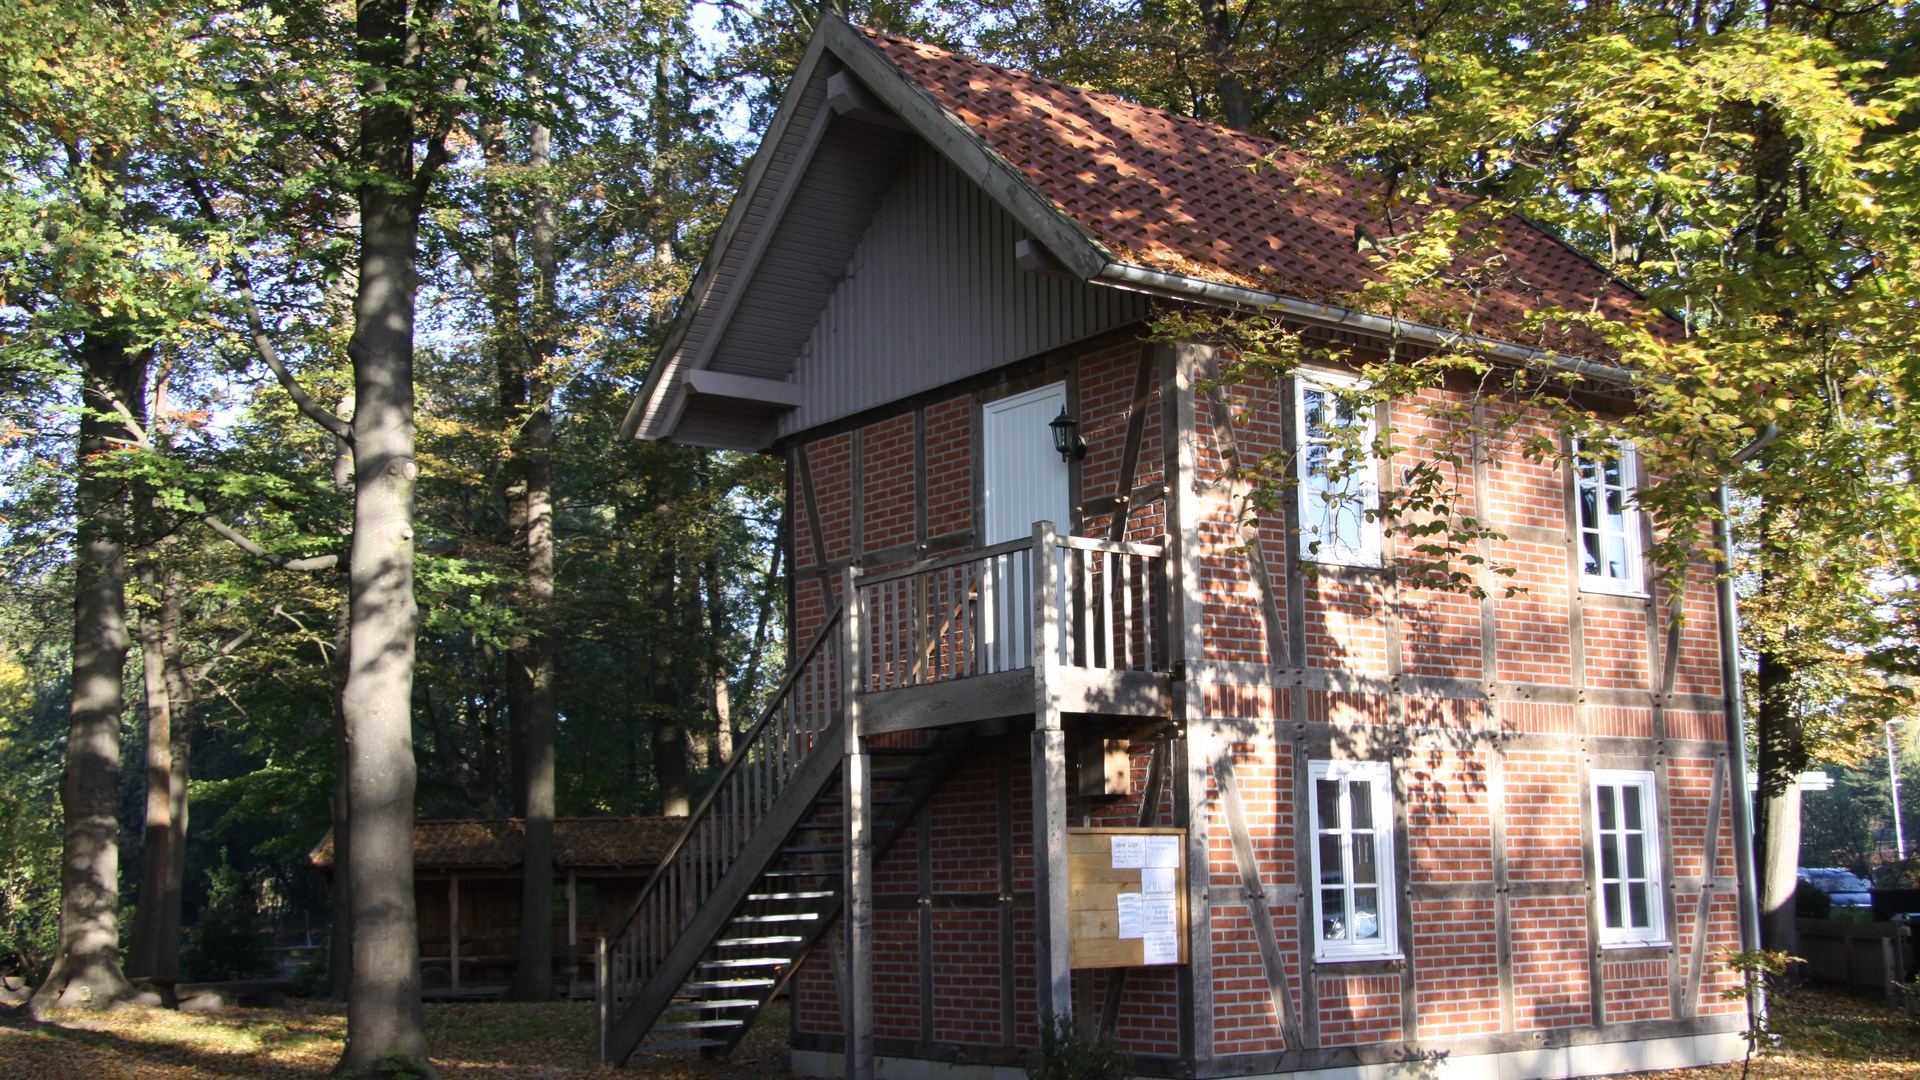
(745,747)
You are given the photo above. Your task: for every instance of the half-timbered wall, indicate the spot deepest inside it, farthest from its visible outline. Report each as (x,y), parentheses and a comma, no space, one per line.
(1492,712)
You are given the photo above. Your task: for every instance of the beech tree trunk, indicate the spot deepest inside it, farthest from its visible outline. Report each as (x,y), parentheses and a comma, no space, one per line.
(86,966)
(384,1030)
(151,954)
(668,727)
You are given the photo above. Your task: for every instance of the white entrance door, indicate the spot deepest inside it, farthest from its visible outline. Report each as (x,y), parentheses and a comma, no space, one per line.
(1025,479)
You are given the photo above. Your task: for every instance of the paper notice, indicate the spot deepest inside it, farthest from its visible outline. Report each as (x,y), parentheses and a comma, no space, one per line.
(1157,880)
(1157,914)
(1131,923)
(1162,851)
(1129,852)
(1160,948)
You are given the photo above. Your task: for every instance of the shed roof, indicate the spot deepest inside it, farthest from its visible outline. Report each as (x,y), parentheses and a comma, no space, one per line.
(1120,194)
(578,843)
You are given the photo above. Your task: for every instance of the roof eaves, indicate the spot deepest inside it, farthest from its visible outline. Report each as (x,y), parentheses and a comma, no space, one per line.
(668,359)
(960,144)
(1184,287)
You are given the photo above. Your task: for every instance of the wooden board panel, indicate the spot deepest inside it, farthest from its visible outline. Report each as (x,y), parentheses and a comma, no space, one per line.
(1094,888)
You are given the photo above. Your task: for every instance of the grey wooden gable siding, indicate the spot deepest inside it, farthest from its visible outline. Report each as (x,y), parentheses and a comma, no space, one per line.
(931,295)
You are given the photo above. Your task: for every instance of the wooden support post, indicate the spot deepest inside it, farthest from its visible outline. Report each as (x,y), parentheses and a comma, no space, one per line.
(602,994)
(1050,888)
(453,932)
(1051,918)
(573,931)
(857,990)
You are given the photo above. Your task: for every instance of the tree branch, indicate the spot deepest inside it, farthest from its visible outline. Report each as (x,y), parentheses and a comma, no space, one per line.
(247,544)
(256,328)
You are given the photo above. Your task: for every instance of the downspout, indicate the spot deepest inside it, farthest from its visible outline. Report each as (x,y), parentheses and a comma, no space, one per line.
(1749,898)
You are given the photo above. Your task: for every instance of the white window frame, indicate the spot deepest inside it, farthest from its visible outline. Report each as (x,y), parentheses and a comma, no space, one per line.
(1385,944)
(1611,890)
(1363,502)
(1590,475)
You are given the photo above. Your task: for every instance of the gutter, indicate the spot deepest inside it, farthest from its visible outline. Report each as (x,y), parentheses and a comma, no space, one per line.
(1185,287)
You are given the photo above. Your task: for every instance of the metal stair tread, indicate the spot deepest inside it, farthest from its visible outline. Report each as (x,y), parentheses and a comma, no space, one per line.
(794,916)
(725,984)
(698,1004)
(747,961)
(776,939)
(698,1025)
(815,894)
(682,1044)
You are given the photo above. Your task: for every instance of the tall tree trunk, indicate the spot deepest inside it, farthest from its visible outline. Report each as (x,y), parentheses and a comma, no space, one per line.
(180,698)
(144,959)
(1782,742)
(533,652)
(1217,17)
(383,1006)
(669,730)
(86,967)
(340,887)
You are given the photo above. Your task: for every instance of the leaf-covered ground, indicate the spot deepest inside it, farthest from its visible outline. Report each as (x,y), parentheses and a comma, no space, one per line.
(1824,1036)
(494,1041)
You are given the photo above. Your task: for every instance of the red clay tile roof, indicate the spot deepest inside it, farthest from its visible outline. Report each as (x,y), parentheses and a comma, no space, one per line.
(1180,195)
(577,843)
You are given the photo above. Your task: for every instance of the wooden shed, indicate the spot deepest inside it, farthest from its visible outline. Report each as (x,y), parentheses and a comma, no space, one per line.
(1070,730)
(467,891)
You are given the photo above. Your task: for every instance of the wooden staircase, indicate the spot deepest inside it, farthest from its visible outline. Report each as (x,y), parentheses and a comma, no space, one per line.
(754,881)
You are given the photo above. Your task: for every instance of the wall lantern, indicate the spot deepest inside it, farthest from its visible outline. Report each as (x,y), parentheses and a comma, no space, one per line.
(1066,436)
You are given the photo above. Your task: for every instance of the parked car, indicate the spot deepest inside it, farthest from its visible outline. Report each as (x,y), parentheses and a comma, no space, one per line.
(1844,887)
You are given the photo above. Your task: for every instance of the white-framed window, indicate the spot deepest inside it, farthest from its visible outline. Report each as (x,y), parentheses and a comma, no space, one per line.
(1607,523)
(1338,491)
(1626,840)
(1353,894)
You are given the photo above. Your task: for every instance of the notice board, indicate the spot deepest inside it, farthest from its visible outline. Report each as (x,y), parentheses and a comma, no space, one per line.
(1127,897)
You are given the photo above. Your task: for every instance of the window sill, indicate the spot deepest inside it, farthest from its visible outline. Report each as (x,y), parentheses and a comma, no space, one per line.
(1360,958)
(1608,587)
(1655,945)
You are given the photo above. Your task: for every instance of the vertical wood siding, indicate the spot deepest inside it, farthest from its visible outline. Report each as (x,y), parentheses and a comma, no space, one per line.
(931,295)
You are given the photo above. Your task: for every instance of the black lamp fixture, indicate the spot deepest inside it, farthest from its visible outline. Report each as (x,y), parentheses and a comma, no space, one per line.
(1066,436)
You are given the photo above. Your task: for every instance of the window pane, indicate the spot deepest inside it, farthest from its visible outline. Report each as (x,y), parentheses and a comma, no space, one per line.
(1617,557)
(1589,508)
(1590,554)
(1327,792)
(1314,406)
(1636,859)
(1333,915)
(1607,822)
(1610,903)
(1630,802)
(1364,870)
(1616,509)
(1610,469)
(1366,914)
(1637,895)
(1609,858)
(1361,793)
(1331,872)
